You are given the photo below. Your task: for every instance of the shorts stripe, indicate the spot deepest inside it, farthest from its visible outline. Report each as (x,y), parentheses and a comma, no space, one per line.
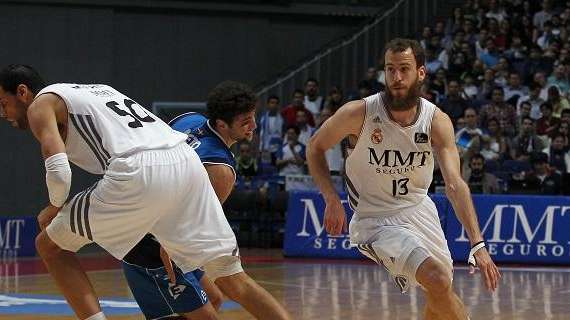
(86,212)
(369,251)
(78,213)
(72,215)
(353,202)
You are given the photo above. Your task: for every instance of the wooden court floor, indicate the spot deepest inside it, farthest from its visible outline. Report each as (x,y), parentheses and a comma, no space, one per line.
(310,289)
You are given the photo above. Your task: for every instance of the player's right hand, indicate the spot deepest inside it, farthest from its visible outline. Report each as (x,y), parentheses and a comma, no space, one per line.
(335,218)
(46,216)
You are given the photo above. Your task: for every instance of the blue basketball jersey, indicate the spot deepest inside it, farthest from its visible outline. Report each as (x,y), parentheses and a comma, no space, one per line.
(207,143)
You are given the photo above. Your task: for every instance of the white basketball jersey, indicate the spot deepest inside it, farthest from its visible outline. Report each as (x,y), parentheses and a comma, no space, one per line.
(391,166)
(104,124)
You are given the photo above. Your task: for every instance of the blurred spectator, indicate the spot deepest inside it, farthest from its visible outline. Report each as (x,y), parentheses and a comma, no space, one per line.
(497,108)
(516,51)
(372,78)
(546,37)
(478,179)
(515,90)
(364,90)
(502,72)
(333,155)
(460,124)
(432,63)
(565,116)
(535,64)
(564,130)
(533,98)
(312,101)
(453,104)
(456,22)
(292,160)
(526,142)
(547,124)
(469,138)
(490,56)
(548,180)
(559,78)
(495,145)
(495,11)
(305,130)
(558,154)
(426,37)
(524,112)
(469,88)
(487,85)
(289,113)
(557,101)
(246,163)
(334,100)
(544,15)
(271,126)
(458,65)
(439,83)
(427,93)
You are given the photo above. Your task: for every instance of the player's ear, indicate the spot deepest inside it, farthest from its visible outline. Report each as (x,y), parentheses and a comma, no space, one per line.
(422,73)
(221,124)
(22,91)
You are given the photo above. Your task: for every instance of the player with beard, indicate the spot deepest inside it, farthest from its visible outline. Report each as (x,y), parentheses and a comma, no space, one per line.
(231,112)
(394,138)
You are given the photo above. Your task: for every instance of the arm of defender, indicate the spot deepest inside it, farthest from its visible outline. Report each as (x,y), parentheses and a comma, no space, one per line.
(222,178)
(458,192)
(348,120)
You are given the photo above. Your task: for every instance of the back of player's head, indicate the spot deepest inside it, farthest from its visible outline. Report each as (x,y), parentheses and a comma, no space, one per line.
(228,100)
(16,74)
(401,45)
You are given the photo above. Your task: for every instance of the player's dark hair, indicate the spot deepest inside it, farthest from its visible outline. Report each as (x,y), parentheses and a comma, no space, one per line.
(16,74)
(401,45)
(228,100)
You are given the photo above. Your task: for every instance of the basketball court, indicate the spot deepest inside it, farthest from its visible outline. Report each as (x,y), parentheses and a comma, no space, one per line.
(310,289)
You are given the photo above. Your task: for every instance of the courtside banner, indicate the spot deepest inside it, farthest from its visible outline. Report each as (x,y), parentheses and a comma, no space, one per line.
(17,236)
(305,234)
(519,229)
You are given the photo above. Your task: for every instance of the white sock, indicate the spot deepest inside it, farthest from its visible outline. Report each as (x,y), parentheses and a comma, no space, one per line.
(97,316)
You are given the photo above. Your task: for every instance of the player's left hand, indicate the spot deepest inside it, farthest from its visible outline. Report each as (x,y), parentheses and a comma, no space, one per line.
(46,216)
(489,270)
(167,265)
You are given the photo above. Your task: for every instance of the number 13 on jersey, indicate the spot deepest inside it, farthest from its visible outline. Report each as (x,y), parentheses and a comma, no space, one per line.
(400,186)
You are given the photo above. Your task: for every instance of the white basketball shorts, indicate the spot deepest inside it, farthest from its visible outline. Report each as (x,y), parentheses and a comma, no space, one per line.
(164,192)
(402,241)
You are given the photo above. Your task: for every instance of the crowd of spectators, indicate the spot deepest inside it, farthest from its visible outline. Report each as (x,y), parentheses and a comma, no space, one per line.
(499,68)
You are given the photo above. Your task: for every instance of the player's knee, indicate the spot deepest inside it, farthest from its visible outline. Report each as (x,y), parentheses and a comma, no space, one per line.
(234,286)
(437,282)
(46,247)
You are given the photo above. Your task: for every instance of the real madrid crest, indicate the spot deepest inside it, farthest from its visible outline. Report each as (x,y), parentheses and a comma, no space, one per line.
(376,136)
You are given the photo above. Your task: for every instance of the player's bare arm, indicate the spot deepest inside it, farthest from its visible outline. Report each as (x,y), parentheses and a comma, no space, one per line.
(458,192)
(347,121)
(43,120)
(222,178)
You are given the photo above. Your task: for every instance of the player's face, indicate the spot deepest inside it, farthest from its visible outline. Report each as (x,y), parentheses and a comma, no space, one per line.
(243,126)
(13,110)
(403,79)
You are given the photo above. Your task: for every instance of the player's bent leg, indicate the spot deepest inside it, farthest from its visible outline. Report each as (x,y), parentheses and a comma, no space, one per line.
(70,278)
(437,283)
(255,299)
(215,296)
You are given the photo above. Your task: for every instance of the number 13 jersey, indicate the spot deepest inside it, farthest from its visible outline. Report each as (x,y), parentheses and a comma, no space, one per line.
(104,124)
(390,167)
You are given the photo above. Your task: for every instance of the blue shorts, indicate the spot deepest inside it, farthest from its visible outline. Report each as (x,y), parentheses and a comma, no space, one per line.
(157,298)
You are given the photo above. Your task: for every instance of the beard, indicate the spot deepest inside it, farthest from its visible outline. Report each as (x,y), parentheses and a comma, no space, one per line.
(406,102)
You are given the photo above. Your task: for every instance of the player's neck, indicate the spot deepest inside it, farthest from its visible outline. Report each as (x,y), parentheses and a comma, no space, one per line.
(404,117)
(224,134)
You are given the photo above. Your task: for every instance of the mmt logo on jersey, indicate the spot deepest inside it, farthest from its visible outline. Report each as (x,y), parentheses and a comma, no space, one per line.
(305,233)
(518,229)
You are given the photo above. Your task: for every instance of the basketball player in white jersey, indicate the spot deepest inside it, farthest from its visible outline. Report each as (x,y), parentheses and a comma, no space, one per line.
(395,136)
(153,182)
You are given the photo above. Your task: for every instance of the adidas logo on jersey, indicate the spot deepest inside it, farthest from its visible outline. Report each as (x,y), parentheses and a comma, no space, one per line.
(377,120)
(175,290)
